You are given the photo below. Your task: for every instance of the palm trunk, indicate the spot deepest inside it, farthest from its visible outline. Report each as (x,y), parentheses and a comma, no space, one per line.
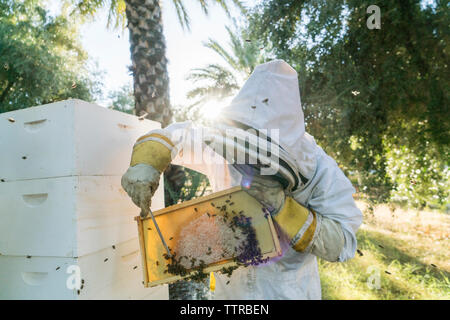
(151,90)
(149,63)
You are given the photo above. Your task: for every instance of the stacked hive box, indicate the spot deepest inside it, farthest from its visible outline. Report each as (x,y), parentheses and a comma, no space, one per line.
(66,225)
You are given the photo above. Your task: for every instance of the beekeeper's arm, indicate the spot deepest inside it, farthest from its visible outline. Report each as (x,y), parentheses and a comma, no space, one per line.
(327,229)
(339,218)
(178,143)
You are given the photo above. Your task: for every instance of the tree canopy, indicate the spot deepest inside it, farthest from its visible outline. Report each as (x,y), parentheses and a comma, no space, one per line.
(41,58)
(375,99)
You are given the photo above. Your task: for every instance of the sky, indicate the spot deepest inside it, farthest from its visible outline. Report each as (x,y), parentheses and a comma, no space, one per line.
(185,50)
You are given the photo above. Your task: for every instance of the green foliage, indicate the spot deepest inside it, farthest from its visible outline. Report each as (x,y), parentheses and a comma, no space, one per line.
(117,9)
(414,164)
(194,185)
(215,82)
(122,99)
(41,58)
(402,256)
(360,87)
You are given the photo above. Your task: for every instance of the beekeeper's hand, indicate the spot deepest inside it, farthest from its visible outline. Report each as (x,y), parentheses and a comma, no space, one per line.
(140,182)
(266,190)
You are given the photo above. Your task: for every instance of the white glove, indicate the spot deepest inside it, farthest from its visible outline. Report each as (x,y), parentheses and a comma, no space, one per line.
(329,240)
(266,190)
(141,182)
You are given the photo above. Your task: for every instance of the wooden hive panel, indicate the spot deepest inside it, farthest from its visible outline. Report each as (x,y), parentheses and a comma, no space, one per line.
(172,219)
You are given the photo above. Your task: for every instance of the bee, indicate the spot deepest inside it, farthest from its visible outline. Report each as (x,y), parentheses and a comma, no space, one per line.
(359,252)
(381,246)
(231,203)
(433,265)
(78,292)
(113,246)
(57,268)
(149,229)
(208,214)
(387,272)
(213,204)
(170,238)
(195,209)
(28,257)
(105,260)
(157,263)
(228,282)
(135,267)
(82,281)
(265,100)
(227,201)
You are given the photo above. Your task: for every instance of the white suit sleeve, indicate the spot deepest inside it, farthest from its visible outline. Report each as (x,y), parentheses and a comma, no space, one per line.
(190,151)
(338,216)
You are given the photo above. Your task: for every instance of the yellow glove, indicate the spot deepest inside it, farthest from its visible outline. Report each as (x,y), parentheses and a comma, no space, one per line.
(151,156)
(296,221)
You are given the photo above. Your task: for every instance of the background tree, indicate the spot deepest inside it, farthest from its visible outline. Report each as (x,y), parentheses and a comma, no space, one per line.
(370,94)
(122,99)
(216,82)
(41,58)
(147,45)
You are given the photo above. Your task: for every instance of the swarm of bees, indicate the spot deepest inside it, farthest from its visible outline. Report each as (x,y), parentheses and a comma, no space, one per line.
(248,253)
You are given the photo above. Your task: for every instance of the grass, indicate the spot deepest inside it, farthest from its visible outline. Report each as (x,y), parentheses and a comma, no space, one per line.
(405,255)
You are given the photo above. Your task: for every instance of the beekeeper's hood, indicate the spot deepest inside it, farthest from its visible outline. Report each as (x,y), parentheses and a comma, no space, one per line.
(270,99)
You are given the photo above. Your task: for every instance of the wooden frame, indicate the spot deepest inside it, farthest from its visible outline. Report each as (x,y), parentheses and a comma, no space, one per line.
(266,234)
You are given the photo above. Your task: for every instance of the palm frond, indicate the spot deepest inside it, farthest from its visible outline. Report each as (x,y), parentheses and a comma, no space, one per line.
(220,50)
(213,81)
(182,14)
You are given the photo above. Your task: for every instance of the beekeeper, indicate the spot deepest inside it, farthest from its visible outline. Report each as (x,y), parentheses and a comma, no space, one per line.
(309,197)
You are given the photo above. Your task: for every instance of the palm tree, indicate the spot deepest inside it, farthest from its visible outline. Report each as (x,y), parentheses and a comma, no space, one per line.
(216,82)
(150,77)
(143,18)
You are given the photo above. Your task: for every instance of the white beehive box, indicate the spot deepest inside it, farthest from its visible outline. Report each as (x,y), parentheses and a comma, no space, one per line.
(67,138)
(66,217)
(106,274)
(61,203)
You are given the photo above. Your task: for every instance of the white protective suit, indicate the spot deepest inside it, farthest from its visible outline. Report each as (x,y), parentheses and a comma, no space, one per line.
(270,99)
